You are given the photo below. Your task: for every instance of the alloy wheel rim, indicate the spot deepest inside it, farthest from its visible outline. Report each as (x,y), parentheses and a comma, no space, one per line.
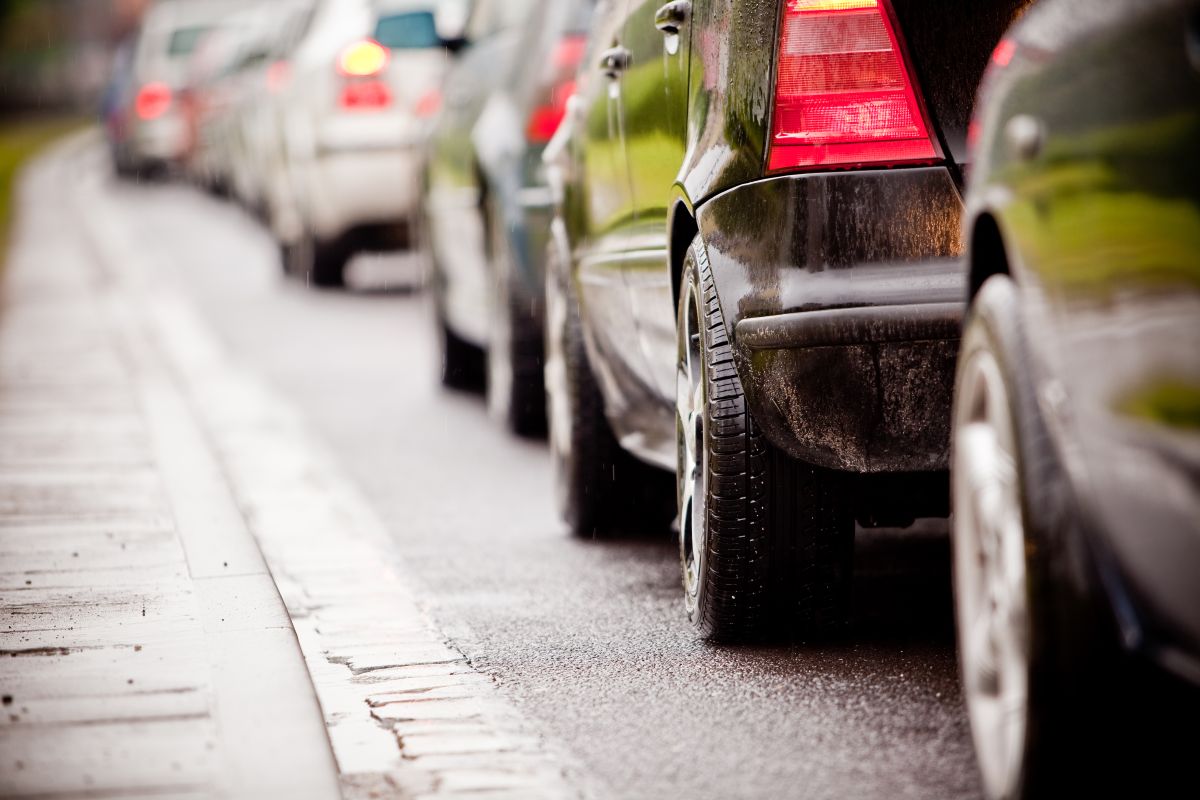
(690,429)
(990,574)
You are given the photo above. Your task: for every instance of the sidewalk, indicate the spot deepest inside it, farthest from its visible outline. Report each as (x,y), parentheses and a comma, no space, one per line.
(147,649)
(194,602)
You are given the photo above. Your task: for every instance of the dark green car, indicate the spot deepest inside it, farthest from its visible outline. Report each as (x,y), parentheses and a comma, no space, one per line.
(1076,428)
(755,284)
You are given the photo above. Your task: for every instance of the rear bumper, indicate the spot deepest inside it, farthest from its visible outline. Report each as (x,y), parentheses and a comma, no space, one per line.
(164,140)
(350,189)
(863,389)
(844,294)
(841,327)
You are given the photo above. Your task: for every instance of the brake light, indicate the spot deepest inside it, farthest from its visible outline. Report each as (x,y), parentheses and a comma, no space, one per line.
(547,116)
(429,104)
(279,75)
(366,96)
(1002,56)
(152,100)
(844,95)
(363,59)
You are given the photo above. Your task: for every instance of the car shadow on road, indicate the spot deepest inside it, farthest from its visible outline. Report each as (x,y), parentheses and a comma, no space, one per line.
(902,590)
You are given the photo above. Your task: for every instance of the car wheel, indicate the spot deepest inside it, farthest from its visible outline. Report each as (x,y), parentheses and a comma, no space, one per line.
(291,258)
(516,392)
(1029,642)
(314,261)
(328,266)
(766,542)
(600,488)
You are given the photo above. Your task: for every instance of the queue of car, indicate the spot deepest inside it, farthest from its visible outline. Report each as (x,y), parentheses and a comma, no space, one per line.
(770,272)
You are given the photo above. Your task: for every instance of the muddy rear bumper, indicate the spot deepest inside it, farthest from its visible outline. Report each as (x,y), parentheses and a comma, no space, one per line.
(843,294)
(861,389)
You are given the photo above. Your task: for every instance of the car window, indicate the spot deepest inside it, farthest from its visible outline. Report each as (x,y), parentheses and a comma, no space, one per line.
(411,30)
(183,41)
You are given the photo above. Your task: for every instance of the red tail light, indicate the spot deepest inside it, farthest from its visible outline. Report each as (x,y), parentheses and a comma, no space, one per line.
(366,96)
(152,100)
(429,104)
(279,75)
(844,95)
(546,117)
(363,59)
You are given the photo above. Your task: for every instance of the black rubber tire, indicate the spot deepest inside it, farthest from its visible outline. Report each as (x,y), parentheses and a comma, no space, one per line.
(316,262)
(1070,666)
(602,490)
(463,367)
(523,406)
(328,268)
(516,389)
(779,538)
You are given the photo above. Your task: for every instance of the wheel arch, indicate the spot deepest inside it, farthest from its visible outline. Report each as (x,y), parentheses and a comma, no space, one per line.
(988,254)
(682,230)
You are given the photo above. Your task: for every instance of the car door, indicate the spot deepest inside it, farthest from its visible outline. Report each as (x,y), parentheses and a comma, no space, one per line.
(607,209)
(456,192)
(1110,226)
(655,105)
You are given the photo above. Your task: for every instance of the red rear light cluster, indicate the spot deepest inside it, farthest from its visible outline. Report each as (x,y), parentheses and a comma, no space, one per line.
(844,95)
(279,75)
(366,96)
(362,64)
(429,104)
(547,116)
(152,101)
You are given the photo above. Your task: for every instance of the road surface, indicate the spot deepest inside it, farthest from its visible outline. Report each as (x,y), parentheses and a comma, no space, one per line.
(587,638)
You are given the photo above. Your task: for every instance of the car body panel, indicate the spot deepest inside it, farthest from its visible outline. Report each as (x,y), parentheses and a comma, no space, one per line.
(867,239)
(455,182)
(1087,167)
(778,244)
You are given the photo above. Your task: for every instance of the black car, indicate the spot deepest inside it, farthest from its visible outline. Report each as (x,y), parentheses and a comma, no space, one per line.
(756,283)
(1076,464)
(486,202)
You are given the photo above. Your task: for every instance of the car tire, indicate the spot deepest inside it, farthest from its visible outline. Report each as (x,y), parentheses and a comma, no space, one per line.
(328,267)
(516,391)
(1031,637)
(316,262)
(766,542)
(600,488)
(462,362)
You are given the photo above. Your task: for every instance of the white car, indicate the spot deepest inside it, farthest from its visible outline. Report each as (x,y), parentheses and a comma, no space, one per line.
(157,133)
(352,119)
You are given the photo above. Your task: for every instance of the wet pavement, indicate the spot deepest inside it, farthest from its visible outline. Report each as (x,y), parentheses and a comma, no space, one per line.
(586,639)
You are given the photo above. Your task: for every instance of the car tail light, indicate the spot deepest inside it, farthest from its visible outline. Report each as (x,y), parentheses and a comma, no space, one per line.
(363,59)
(844,94)
(548,115)
(279,75)
(428,104)
(152,100)
(366,96)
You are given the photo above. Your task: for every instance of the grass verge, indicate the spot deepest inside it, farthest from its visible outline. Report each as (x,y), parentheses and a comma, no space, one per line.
(19,140)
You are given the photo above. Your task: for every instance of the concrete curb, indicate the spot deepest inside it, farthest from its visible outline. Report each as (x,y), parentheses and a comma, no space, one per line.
(405,711)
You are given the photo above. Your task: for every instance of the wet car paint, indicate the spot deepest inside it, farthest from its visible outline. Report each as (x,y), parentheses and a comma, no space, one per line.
(655,159)
(482,164)
(1087,185)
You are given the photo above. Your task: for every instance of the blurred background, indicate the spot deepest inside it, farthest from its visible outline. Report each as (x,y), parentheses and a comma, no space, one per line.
(56,55)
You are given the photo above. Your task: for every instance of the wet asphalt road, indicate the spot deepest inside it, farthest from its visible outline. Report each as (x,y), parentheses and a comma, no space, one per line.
(588,638)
